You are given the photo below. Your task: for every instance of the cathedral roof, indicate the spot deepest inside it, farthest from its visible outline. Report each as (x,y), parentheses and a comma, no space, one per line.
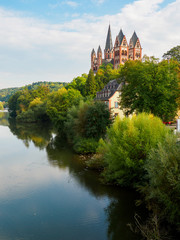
(109,44)
(99,49)
(93,52)
(120,37)
(134,39)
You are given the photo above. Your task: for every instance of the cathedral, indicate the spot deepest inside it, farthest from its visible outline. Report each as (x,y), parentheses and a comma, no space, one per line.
(118,54)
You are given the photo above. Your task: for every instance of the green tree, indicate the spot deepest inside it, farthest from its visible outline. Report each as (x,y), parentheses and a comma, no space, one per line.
(59,102)
(90,86)
(12,103)
(163,173)
(104,74)
(173,53)
(127,145)
(150,87)
(85,124)
(79,84)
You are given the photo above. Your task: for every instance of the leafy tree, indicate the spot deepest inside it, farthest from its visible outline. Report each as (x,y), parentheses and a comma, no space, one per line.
(127,145)
(104,74)
(163,174)
(59,102)
(150,87)
(12,103)
(79,84)
(85,124)
(90,86)
(173,53)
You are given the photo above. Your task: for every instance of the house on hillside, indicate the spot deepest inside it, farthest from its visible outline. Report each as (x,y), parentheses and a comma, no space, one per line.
(110,95)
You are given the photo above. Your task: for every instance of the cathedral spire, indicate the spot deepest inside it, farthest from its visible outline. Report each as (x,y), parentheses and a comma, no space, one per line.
(134,39)
(109,44)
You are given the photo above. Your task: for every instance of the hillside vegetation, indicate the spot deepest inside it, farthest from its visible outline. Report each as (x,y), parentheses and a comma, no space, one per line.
(6,93)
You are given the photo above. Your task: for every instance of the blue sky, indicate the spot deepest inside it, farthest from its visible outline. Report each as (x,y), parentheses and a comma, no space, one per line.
(51,40)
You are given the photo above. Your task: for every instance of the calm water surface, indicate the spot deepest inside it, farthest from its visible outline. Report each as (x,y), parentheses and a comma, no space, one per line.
(47,194)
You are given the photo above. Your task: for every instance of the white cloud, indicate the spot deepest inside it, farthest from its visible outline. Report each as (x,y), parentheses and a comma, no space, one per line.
(71,3)
(37,51)
(98,2)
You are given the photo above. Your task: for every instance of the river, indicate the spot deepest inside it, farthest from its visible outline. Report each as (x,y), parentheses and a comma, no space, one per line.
(46,192)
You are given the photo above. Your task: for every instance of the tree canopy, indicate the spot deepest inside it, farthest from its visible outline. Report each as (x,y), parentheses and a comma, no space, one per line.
(150,87)
(173,53)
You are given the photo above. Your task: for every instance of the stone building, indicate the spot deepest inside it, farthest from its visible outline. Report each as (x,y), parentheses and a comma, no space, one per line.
(119,53)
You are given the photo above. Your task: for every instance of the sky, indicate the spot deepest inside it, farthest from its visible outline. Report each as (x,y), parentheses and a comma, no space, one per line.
(51,40)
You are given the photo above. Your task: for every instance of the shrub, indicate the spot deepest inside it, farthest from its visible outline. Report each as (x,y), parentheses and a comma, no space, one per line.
(127,145)
(85,145)
(163,173)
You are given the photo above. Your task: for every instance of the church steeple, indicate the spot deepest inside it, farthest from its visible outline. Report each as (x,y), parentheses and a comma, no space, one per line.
(109,44)
(108,51)
(135,50)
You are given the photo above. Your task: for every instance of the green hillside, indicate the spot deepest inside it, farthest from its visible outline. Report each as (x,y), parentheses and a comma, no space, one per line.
(6,93)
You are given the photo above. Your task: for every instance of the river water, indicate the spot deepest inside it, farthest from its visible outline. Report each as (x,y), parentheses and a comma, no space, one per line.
(46,193)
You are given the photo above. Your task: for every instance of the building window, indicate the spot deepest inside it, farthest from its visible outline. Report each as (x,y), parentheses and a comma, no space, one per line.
(116,104)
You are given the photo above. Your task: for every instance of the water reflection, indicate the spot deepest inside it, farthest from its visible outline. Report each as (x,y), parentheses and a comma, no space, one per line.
(121,208)
(4,118)
(39,134)
(63,198)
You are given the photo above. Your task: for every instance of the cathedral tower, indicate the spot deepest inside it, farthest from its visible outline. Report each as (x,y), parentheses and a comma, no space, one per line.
(108,51)
(99,57)
(135,50)
(120,49)
(93,61)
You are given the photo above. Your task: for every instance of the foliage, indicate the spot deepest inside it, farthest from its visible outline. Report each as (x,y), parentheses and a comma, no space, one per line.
(86,123)
(1,106)
(105,74)
(163,173)
(29,105)
(85,145)
(59,102)
(127,145)
(12,103)
(173,53)
(36,113)
(78,83)
(150,87)
(6,93)
(90,86)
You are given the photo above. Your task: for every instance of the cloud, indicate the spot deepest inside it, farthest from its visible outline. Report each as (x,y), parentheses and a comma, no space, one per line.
(34,50)
(98,2)
(71,3)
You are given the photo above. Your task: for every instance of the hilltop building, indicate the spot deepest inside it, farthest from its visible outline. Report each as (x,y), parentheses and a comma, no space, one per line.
(119,53)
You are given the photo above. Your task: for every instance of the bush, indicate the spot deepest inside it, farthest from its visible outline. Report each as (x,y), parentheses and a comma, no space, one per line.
(127,145)
(163,173)
(83,145)
(85,124)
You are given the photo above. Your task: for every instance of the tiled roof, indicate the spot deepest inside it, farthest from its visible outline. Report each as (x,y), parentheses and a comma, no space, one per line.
(134,38)
(120,37)
(99,49)
(93,52)
(108,91)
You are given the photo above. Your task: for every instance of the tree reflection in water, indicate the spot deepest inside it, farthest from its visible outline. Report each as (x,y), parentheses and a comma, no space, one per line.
(39,134)
(120,208)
